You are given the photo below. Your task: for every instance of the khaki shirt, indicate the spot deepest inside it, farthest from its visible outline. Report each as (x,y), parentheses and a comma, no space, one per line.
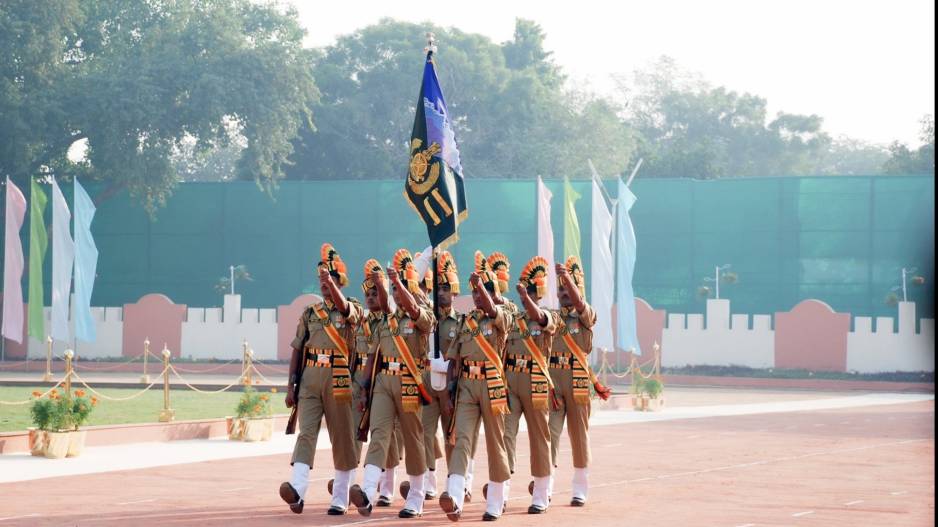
(415,332)
(578,325)
(542,335)
(364,344)
(448,326)
(310,332)
(493,330)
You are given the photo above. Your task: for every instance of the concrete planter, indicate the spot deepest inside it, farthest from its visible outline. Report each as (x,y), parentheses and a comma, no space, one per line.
(76,443)
(247,429)
(57,445)
(38,441)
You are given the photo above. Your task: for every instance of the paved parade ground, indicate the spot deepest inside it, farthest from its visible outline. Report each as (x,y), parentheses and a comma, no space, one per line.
(756,459)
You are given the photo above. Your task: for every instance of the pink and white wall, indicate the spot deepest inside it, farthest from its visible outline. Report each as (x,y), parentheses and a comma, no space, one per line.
(811,336)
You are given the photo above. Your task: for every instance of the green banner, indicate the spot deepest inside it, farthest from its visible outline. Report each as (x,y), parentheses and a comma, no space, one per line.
(38,241)
(571,227)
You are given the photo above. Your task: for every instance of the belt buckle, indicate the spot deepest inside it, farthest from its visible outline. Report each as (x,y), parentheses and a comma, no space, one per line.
(521,363)
(394,366)
(475,370)
(322,358)
(563,360)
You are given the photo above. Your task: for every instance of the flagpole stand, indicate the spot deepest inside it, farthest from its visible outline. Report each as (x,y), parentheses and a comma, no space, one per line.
(48,376)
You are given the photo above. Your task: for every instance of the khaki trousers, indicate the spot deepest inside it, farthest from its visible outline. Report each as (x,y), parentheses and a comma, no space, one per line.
(432,418)
(577,417)
(519,400)
(316,402)
(472,408)
(386,408)
(396,450)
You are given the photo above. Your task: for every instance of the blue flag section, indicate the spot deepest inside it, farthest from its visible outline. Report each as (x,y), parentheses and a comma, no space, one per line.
(434,185)
(86,264)
(626,327)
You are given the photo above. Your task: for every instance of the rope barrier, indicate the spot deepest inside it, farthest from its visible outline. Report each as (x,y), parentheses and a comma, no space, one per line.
(193,388)
(106,368)
(261,375)
(5,365)
(207,370)
(27,401)
(109,398)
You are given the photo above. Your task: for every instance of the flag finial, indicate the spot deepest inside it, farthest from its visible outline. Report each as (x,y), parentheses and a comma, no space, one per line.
(431,43)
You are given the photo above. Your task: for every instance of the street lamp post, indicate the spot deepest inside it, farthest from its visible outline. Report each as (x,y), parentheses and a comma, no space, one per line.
(716,278)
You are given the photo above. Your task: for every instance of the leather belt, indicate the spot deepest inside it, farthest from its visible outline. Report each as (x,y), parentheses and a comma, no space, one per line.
(562,361)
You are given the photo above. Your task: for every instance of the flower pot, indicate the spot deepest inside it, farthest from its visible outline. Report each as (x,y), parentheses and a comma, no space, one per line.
(645,400)
(57,445)
(257,429)
(76,443)
(235,428)
(38,441)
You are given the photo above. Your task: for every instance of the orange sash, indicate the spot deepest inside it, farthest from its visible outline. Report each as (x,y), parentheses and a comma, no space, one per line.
(583,375)
(495,377)
(412,389)
(540,379)
(341,377)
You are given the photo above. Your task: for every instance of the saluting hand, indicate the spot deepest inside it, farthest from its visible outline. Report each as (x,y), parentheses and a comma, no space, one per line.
(377,278)
(522,291)
(561,270)
(475,279)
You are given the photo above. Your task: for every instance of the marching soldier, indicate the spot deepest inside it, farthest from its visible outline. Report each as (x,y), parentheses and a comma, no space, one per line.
(365,343)
(477,375)
(320,385)
(397,390)
(530,388)
(571,373)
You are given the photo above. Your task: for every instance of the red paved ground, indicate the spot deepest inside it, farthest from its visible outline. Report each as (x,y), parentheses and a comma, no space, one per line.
(856,467)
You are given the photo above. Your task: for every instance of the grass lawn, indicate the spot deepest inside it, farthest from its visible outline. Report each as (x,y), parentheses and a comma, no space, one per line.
(144,409)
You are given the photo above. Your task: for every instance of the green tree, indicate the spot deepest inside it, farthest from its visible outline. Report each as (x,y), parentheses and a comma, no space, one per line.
(511,114)
(903,160)
(689,128)
(136,79)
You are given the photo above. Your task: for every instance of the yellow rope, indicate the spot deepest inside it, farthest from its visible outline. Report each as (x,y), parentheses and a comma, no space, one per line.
(210,392)
(207,370)
(116,399)
(5,365)
(27,401)
(261,375)
(78,365)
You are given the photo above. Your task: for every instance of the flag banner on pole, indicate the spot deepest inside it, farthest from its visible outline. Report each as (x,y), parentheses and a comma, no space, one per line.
(86,264)
(626,327)
(14,214)
(63,256)
(545,243)
(434,186)
(571,227)
(38,243)
(602,273)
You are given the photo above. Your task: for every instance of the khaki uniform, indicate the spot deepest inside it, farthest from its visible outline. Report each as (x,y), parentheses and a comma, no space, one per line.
(387,405)
(518,366)
(433,417)
(364,346)
(473,401)
(579,326)
(316,398)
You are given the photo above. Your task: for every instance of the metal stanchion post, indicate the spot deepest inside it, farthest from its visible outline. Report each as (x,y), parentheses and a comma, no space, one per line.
(166,414)
(48,376)
(244,361)
(146,351)
(68,372)
(248,356)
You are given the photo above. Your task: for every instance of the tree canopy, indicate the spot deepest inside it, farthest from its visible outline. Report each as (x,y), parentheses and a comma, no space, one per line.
(134,80)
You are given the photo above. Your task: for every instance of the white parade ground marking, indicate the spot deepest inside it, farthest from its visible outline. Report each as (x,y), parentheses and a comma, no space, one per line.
(23,467)
(899,493)
(854,502)
(136,501)
(800,514)
(33,515)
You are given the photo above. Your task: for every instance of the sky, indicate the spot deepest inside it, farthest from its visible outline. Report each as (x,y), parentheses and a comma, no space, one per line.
(868,68)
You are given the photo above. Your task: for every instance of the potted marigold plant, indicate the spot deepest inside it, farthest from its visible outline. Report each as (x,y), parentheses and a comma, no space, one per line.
(253,420)
(57,419)
(646,395)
